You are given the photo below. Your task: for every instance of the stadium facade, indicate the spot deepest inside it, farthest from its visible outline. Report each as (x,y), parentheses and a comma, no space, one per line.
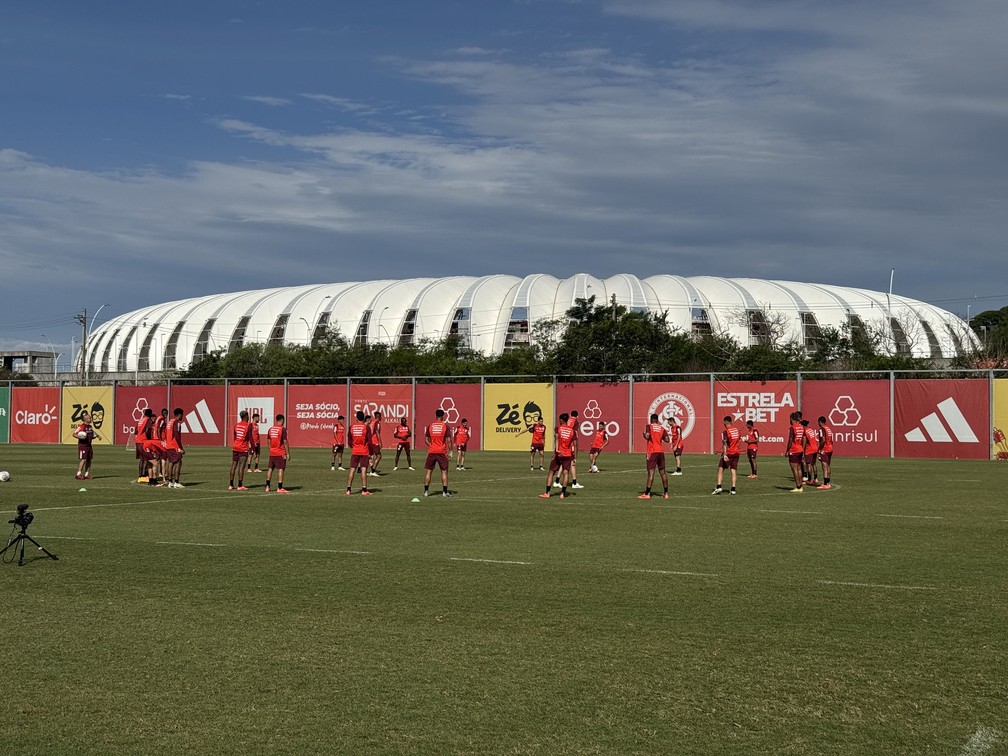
(495,313)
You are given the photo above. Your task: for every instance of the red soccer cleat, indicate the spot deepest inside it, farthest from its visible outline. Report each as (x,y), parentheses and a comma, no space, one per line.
(644,496)
(544,496)
(242,488)
(365,493)
(825,487)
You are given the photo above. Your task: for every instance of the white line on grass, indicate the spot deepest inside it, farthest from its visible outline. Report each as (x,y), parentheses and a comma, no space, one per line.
(981,742)
(488,561)
(912,517)
(70,538)
(788,511)
(332,551)
(187,543)
(879,585)
(673,572)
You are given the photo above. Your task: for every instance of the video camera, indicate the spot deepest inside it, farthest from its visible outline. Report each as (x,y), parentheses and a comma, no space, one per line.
(23,518)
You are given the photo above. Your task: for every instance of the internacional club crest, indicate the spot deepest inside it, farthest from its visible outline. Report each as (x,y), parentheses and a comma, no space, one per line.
(673,406)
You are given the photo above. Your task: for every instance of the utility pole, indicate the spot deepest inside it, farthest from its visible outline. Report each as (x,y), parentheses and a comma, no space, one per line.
(82,319)
(613,300)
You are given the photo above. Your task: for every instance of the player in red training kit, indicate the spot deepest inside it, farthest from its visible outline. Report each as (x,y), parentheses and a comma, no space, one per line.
(825,453)
(538,443)
(795,450)
(676,441)
(174,449)
(565,450)
(752,447)
(462,435)
(599,443)
(338,442)
(279,453)
(811,457)
(85,434)
(730,439)
(359,434)
(438,438)
(242,436)
(402,434)
(656,435)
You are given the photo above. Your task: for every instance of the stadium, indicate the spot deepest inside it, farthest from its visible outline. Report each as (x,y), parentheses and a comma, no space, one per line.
(495,313)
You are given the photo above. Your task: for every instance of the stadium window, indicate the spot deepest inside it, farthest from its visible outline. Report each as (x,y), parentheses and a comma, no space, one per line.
(408,329)
(202,349)
(238,335)
(899,337)
(811,333)
(108,351)
(279,331)
(361,338)
(933,344)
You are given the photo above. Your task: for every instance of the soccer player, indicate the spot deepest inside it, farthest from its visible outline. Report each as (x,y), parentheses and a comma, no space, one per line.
(656,435)
(538,444)
(438,438)
(402,435)
(242,437)
(565,449)
(795,451)
(599,443)
(160,433)
(573,423)
(730,438)
(462,434)
(279,453)
(376,446)
(85,434)
(359,435)
(174,449)
(825,452)
(148,453)
(254,446)
(676,441)
(811,455)
(752,447)
(339,439)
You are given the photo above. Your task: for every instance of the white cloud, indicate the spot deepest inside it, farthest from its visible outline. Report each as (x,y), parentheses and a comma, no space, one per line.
(273,102)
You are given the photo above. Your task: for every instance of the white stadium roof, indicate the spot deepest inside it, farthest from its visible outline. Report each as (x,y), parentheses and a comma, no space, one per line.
(498,312)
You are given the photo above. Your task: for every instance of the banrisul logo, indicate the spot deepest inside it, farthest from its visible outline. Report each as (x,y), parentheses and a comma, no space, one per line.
(674,406)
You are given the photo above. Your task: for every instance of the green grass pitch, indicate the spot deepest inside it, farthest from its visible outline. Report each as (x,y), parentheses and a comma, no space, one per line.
(869,619)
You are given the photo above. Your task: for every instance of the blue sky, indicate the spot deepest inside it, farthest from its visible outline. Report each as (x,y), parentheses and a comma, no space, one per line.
(152,152)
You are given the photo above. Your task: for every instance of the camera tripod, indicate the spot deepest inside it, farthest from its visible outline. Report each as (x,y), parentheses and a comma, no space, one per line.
(21,538)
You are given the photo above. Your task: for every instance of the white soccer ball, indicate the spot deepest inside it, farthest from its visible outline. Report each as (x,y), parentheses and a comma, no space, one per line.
(594,468)
(82,435)
(4,476)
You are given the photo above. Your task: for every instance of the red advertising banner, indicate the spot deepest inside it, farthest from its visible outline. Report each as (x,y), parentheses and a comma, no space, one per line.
(857,411)
(312,412)
(768,404)
(393,400)
(458,400)
(942,419)
(205,419)
(268,401)
(130,403)
(607,403)
(35,415)
(688,402)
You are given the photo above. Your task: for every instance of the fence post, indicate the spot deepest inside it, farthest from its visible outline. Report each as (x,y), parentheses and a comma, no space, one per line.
(482,413)
(892,414)
(630,424)
(710,441)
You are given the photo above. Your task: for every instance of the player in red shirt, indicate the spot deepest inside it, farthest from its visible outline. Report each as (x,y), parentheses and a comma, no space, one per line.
(599,443)
(731,437)
(402,434)
(359,435)
(158,446)
(174,449)
(656,435)
(376,444)
(825,452)
(795,450)
(279,453)
(565,450)
(752,446)
(339,440)
(538,443)
(85,434)
(676,441)
(438,438)
(811,455)
(145,436)
(242,437)
(254,445)
(573,423)
(462,435)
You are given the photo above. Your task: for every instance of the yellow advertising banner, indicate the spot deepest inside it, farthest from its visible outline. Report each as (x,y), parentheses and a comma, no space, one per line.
(510,408)
(94,399)
(1000,423)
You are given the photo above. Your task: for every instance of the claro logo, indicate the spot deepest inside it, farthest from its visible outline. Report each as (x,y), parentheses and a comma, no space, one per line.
(46,417)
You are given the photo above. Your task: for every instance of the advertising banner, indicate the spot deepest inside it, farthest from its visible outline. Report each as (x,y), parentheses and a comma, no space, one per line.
(35,415)
(768,404)
(1000,430)
(268,401)
(942,419)
(458,400)
(130,403)
(608,403)
(98,401)
(508,410)
(857,411)
(4,414)
(688,402)
(205,418)
(393,400)
(312,411)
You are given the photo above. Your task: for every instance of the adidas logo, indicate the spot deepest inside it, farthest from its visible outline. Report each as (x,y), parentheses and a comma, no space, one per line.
(192,421)
(937,431)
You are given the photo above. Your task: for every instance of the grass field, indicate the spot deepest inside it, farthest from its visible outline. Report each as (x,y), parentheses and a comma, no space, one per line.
(868,619)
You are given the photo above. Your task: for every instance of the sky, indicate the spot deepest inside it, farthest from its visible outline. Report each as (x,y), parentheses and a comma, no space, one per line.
(154,152)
